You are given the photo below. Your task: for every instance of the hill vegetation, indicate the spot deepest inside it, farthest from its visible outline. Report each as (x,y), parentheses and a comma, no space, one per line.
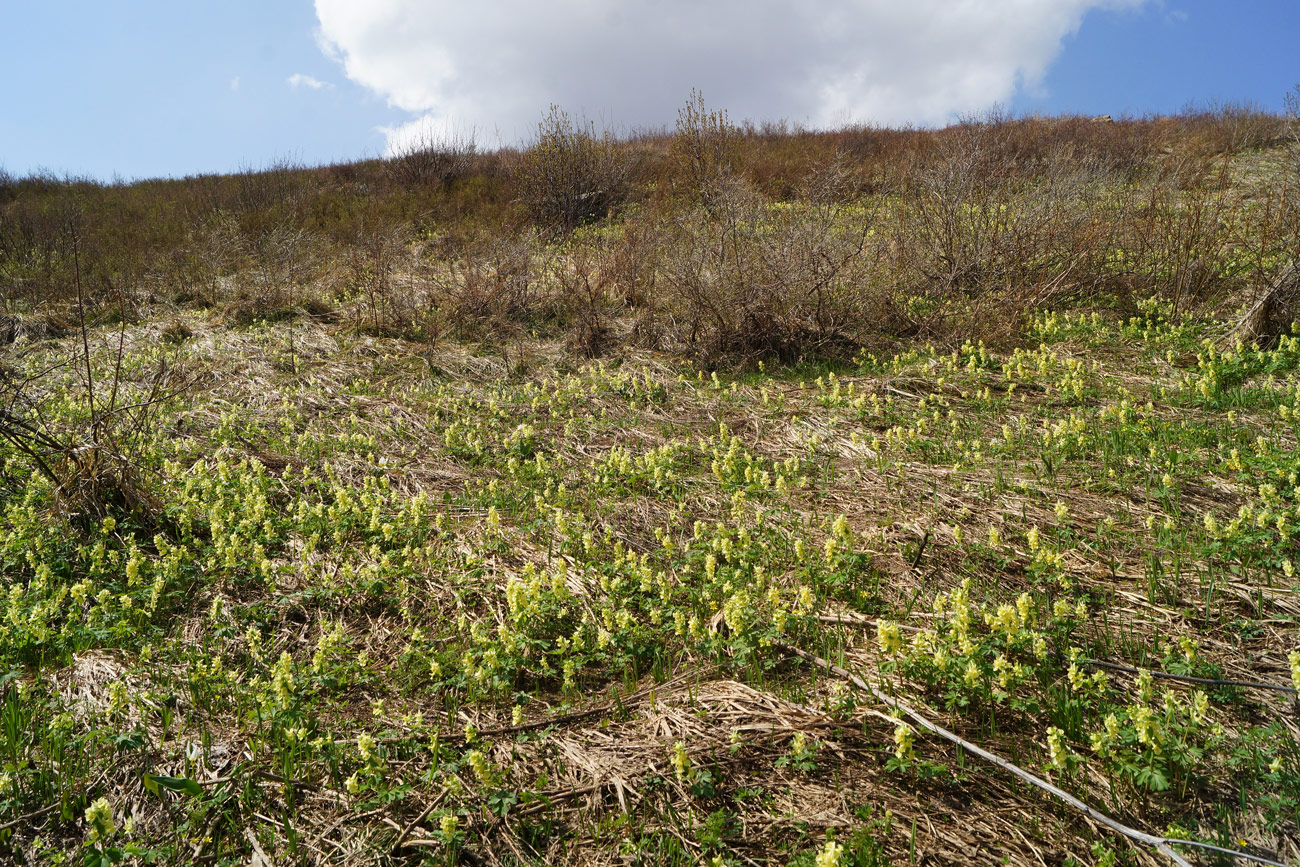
(726,495)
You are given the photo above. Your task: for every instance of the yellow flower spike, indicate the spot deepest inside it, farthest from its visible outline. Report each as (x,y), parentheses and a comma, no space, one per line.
(99,815)
(681,760)
(830,856)
(904,736)
(1057,751)
(889,637)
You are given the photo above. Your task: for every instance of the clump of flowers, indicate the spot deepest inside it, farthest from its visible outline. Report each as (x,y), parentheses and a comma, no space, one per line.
(1058,755)
(449,826)
(889,636)
(99,816)
(681,760)
(483,769)
(904,736)
(830,856)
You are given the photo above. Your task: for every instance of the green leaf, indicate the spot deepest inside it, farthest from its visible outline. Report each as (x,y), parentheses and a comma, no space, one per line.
(175,784)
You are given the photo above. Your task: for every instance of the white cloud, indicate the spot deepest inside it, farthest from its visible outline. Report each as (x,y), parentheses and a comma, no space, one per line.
(298,80)
(234,83)
(496,65)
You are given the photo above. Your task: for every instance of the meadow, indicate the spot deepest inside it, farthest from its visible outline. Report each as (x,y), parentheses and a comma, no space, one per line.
(720,495)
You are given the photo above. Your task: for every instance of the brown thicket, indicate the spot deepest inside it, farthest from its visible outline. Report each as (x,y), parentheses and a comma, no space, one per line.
(713,239)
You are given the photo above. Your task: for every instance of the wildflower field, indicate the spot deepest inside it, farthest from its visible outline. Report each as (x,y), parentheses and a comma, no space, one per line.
(314,586)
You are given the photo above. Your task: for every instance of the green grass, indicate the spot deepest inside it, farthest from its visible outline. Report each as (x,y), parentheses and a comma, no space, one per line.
(366,521)
(374,601)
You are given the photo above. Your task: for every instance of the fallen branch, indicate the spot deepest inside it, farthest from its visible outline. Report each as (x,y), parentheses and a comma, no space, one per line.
(405,833)
(29,817)
(1183,678)
(1160,844)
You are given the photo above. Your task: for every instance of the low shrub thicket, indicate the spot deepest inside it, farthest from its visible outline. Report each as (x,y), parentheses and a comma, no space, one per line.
(728,240)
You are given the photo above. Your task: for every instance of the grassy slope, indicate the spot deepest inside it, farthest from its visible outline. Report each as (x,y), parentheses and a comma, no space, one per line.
(371,549)
(345,598)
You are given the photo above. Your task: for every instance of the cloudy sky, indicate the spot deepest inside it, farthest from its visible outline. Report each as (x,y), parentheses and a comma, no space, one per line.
(146,88)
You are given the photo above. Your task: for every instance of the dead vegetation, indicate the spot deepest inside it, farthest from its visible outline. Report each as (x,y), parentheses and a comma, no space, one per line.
(629,529)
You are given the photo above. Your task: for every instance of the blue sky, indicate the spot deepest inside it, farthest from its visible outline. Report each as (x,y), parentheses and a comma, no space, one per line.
(1164,56)
(146,89)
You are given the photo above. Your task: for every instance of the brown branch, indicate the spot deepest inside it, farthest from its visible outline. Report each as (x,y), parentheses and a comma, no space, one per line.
(1160,844)
(1183,678)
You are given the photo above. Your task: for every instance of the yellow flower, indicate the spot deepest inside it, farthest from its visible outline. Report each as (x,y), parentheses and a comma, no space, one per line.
(99,815)
(1056,747)
(805,598)
(681,759)
(1007,620)
(830,856)
(1144,685)
(1147,726)
(889,636)
(904,735)
(1024,606)
(481,766)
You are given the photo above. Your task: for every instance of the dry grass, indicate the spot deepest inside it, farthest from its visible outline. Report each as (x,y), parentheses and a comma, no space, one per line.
(544,400)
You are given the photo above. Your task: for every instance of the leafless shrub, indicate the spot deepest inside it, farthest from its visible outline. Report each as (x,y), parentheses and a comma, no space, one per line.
(262,191)
(968,229)
(387,299)
(745,277)
(583,282)
(1228,127)
(274,274)
(705,148)
(1174,236)
(571,176)
(633,263)
(1274,313)
(1291,102)
(432,161)
(494,285)
(90,463)
(36,240)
